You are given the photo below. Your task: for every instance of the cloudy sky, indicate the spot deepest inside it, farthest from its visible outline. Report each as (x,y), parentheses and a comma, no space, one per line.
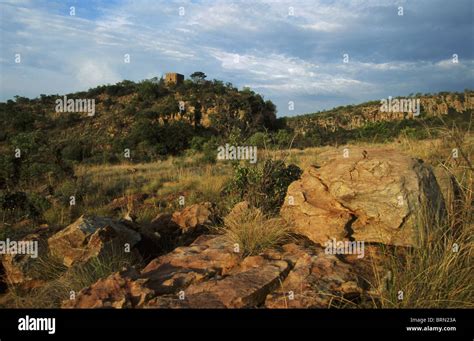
(285,50)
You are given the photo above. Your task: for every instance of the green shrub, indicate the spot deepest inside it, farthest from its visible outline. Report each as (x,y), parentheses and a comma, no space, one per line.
(18,205)
(415,133)
(263,185)
(283,139)
(65,190)
(76,151)
(209,150)
(260,139)
(197,143)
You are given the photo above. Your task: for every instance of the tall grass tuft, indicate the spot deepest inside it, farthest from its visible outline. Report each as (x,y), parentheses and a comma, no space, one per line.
(253,232)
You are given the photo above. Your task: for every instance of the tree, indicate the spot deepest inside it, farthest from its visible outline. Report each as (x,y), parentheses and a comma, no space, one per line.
(167,108)
(198,77)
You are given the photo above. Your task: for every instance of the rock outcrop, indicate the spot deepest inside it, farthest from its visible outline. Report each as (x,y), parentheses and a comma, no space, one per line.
(372,195)
(209,274)
(195,217)
(315,280)
(89,237)
(183,227)
(208,257)
(120,290)
(353,117)
(17,268)
(92,236)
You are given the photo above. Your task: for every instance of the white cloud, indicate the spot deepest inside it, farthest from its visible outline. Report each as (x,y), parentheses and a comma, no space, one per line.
(91,73)
(323,26)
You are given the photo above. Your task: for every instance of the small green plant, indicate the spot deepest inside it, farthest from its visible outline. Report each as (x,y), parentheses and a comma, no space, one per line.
(209,151)
(263,185)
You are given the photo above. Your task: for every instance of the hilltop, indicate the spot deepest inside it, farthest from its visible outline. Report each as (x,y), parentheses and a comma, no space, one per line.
(149,117)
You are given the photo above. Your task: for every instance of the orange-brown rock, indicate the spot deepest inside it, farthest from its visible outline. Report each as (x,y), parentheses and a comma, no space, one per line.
(208,274)
(89,237)
(372,195)
(209,256)
(17,267)
(315,279)
(119,290)
(194,217)
(245,289)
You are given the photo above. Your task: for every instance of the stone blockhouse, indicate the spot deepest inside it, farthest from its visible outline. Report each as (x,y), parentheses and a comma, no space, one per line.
(173,78)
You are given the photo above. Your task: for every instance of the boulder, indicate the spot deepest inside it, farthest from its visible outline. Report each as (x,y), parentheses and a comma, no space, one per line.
(17,268)
(194,217)
(240,289)
(89,237)
(119,290)
(164,277)
(239,208)
(372,195)
(183,227)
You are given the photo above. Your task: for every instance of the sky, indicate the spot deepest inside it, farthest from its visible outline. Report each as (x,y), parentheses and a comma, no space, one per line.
(305,56)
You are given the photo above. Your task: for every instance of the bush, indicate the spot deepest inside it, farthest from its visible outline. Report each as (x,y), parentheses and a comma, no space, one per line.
(176,137)
(283,139)
(197,143)
(148,90)
(209,150)
(76,151)
(415,133)
(65,190)
(260,139)
(21,205)
(265,185)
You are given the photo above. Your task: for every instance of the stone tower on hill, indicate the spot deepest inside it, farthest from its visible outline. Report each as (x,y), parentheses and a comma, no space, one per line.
(172,78)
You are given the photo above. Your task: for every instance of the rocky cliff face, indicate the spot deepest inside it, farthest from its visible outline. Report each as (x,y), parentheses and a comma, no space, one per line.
(353,117)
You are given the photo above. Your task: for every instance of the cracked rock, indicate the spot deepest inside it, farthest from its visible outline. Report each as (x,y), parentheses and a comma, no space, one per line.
(373,195)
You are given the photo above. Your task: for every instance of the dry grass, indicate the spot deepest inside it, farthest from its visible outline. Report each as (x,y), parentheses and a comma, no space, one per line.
(165,181)
(440,273)
(60,281)
(253,232)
